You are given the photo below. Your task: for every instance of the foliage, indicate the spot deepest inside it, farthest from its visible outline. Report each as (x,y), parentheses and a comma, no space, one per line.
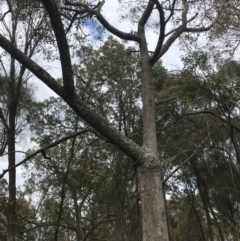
(199,131)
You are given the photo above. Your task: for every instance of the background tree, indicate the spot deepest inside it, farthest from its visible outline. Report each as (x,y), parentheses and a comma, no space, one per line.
(201,105)
(20,27)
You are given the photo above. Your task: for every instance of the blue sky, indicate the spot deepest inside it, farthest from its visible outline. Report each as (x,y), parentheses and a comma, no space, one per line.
(92,25)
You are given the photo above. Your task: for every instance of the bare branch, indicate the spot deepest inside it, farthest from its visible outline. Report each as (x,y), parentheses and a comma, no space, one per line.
(6,153)
(3,67)
(177,32)
(96,12)
(171,40)
(4,15)
(43,149)
(146,14)
(71,22)
(63,47)
(172,31)
(171,13)
(161,37)
(197,30)
(82,14)
(118,33)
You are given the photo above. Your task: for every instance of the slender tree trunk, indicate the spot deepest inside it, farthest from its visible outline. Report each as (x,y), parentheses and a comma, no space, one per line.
(204,196)
(221,236)
(11,139)
(79,235)
(119,197)
(199,223)
(63,191)
(12,178)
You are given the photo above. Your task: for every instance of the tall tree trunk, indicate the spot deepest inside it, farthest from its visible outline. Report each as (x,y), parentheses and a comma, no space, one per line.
(153,213)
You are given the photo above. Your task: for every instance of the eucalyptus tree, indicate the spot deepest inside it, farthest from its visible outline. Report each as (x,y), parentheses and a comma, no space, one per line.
(199,123)
(23,28)
(220,91)
(64,184)
(182,17)
(15,103)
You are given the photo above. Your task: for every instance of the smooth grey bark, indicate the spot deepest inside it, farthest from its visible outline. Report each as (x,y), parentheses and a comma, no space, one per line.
(153,212)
